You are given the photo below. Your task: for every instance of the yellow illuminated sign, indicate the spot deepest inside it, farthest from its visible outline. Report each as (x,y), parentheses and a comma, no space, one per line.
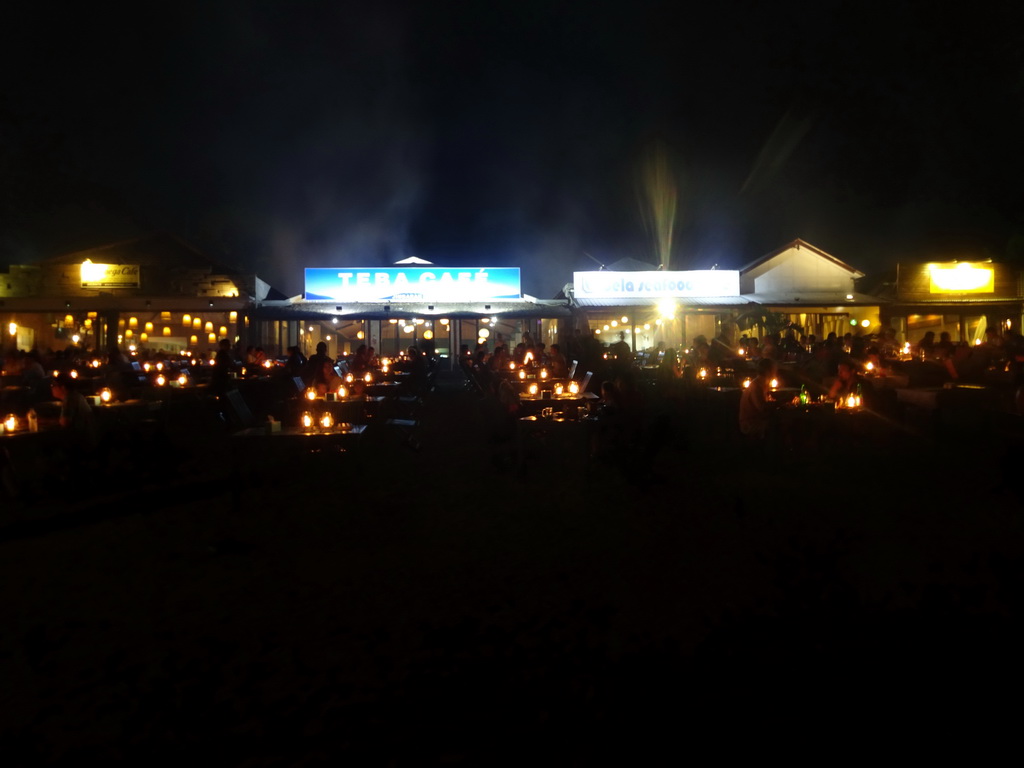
(961,278)
(109,275)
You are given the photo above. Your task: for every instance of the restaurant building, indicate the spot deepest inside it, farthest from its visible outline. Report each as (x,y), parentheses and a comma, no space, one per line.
(797,286)
(801,286)
(963,298)
(152,293)
(411,303)
(653,306)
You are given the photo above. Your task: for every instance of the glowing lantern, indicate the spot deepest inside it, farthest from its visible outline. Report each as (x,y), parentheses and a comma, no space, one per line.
(128,334)
(342,393)
(186,320)
(574,388)
(533,389)
(197,323)
(193,339)
(360,335)
(106,394)
(161,380)
(212,337)
(232,316)
(326,420)
(559,389)
(209,326)
(311,394)
(224,331)
(10,422)
(182,380)
(307,420)
(428,334)
(368,378)
(522,375)
(149,327)
(144,337)
(543,373)
(133,322)
(167,330)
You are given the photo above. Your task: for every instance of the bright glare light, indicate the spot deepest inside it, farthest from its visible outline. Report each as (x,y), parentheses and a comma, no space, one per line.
(667,309)
(408,328)
(444,321)
(360,335)
(485,320)
(484,333)
(625,319)
(76,338)
(428,335)
(615,323)
(865,323)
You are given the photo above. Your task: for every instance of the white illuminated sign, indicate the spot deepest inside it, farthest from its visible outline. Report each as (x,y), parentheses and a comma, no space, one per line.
(657,285)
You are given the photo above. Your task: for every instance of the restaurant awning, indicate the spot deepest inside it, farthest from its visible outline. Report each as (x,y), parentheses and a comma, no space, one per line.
(299,309)
(714,301)
(813,299)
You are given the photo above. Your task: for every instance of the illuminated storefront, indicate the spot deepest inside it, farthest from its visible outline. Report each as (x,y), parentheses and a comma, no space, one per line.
(649,308)
(423,305)
(962,298)
(154,294)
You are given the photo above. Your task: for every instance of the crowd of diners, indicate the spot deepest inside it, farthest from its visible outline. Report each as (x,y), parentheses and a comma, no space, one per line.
(835,369)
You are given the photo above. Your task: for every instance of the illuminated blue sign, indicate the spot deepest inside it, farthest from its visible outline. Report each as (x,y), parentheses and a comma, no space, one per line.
(412,284)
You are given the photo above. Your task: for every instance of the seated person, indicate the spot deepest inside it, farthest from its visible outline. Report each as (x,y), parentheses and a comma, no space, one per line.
(75,412)
(557,365)
(848,382)
(326,379)
(755,406)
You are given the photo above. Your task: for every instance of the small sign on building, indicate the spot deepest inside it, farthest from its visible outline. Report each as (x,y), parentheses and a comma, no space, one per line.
(109,275)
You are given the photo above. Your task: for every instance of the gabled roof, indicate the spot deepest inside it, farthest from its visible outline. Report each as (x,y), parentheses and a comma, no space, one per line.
(159,249)
(801,244)
(628,264)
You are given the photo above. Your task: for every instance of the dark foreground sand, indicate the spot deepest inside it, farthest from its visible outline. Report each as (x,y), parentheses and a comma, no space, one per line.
(432,608)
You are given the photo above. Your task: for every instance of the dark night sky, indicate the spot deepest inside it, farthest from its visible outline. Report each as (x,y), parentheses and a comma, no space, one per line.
(282,135)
